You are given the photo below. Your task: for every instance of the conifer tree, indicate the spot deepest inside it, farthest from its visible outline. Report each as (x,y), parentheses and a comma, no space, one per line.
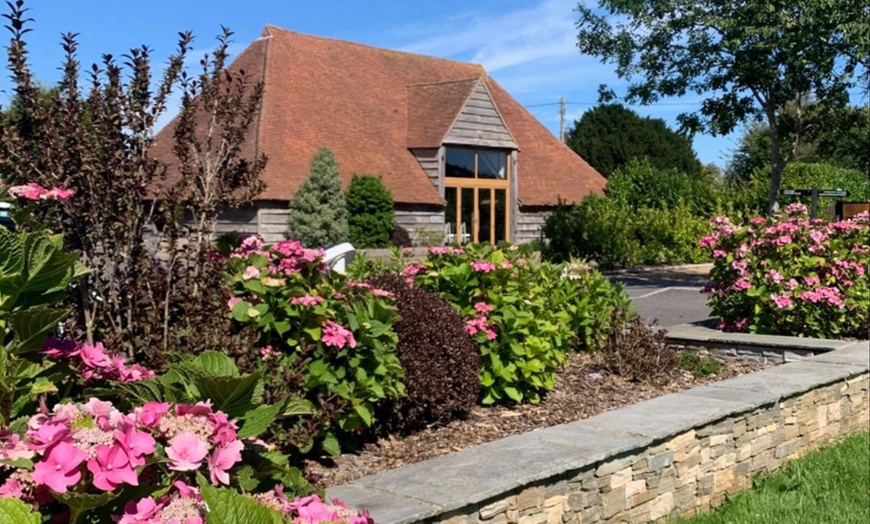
(318,214)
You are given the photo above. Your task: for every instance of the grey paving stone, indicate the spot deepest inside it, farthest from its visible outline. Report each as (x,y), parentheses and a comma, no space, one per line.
(749,397)
(665,416)
(478,473)
(598,443)
(857,354)
(383,507)
(790,379)
(697,333)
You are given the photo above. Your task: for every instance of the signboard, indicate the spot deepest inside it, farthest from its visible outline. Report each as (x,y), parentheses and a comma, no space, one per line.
(838,193)
(436,219)
(796,192)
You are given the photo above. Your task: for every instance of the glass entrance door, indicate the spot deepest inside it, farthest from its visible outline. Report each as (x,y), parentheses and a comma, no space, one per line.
(477,191)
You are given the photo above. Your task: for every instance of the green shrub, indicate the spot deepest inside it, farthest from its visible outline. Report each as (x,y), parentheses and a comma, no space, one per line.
(525,315)
(702,366)
(440,360)
(640,185)
(327,337)
(788,275)
(370,212)
(615,235)
(318,211)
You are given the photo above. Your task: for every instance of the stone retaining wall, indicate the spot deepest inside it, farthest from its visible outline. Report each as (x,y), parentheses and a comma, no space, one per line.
(764,349)
(662,458)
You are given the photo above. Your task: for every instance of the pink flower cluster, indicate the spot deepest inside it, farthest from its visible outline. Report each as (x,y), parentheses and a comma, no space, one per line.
(184,505)
(479,325)
(789,272)
(445,250)
(312,509)
(94,362)
(306,300)
(337,336)
(33,191)
(108,449)
(482,266)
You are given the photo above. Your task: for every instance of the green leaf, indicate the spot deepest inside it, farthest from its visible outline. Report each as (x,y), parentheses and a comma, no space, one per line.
(14,511)
(330,445)
(233,395)
(226,506)
(216,364)
(259,419)
(11,253)
(245,478)
(81,502)
(364,413)
(33,325)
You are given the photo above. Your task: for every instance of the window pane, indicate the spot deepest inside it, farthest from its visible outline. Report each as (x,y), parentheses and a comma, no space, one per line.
(500,215)
(491,164)
(484,204)
(467,218)
(460,163)
(450,215)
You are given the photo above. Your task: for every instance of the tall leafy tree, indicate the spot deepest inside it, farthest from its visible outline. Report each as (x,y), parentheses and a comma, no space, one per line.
(747,59)
(610,136)
(840,138)
(318,212)
(371,216)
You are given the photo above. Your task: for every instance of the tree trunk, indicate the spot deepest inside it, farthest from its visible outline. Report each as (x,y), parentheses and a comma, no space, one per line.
(776,164)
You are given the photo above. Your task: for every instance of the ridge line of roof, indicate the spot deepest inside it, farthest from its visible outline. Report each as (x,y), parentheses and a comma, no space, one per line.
(443,82)
(368,46)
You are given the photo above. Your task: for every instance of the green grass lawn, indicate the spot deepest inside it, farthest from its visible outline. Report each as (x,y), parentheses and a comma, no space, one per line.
(827,486)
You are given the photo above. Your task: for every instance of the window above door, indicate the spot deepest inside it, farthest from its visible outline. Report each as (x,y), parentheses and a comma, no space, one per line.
(483,164)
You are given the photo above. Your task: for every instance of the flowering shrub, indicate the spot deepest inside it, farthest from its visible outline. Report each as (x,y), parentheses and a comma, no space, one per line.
(508,310)
(76,449)
(790,275)
(333,334)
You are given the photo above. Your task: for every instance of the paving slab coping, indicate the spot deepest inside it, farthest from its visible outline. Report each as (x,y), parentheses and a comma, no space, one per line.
(700,334)
(485,472)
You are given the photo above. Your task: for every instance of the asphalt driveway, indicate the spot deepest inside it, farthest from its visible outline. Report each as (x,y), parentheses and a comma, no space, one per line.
(670,295)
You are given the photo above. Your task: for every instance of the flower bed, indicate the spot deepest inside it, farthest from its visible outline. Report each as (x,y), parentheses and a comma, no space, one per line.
(790,275)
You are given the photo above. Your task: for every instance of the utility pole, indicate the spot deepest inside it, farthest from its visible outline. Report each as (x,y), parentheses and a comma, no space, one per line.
(562,119)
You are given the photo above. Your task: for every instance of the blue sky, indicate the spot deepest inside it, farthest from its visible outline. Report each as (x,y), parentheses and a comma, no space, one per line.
(529,46)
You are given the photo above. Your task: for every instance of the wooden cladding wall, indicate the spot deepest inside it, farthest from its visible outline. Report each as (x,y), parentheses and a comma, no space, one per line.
(479,123)
(430,161)
(529,222)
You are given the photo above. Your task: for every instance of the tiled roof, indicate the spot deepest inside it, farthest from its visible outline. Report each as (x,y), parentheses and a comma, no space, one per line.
(432,110)
(361,102)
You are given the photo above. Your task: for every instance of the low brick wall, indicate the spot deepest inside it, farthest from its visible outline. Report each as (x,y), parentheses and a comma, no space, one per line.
(662,458)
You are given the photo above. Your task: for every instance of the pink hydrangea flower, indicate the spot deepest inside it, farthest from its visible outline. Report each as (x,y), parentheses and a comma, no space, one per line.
(186,452)
(482,307)
(31,191)
(774,276)
(59,469)
(111,467)
(412,269)
(251,272)
(782,301)
(306,300)
(222,459)
(94,356)
(482,266)
(337,336)
(811,281)
(231,303)
(382,293)
(708,241)
(12,489)
(742,284)
(718,253)
(149,415)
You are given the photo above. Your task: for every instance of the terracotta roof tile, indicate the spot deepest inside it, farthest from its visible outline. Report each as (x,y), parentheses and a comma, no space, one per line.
(360,101)
(432,110)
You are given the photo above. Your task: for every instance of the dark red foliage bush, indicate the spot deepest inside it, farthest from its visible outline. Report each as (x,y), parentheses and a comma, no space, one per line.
(400,237)
(442,363)
(637,351)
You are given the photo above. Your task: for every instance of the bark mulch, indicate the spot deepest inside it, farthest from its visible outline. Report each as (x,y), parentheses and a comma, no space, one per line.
(580,392)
